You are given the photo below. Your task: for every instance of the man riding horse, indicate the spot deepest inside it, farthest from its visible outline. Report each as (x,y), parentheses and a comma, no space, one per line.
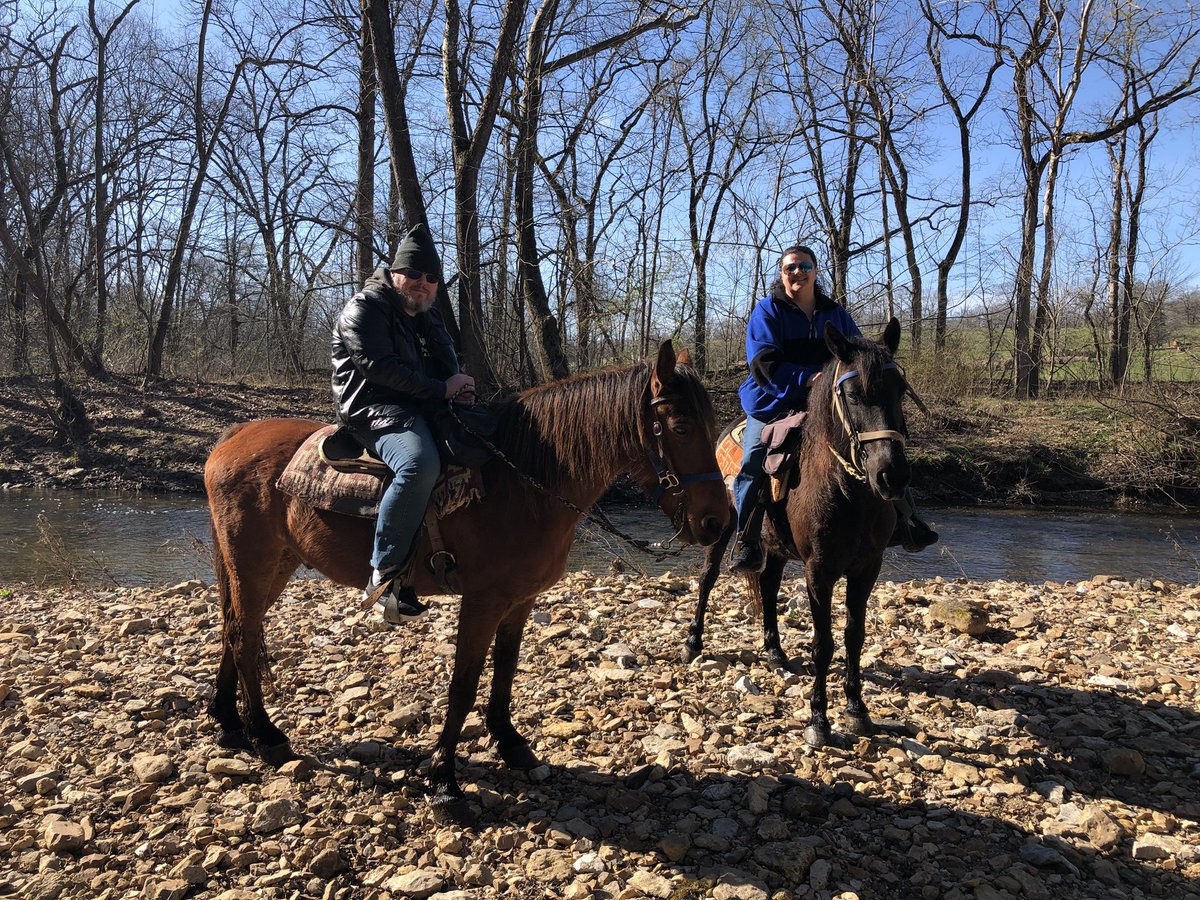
(393,359)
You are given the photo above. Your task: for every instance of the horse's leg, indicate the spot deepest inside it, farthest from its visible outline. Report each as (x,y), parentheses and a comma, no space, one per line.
(858,591)
(820,598)
(223,706)
(769,580)
(255,586)
(512,747)
(713,555)
(477,625)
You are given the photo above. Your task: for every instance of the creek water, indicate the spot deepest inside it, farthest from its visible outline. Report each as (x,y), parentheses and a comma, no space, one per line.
(139,539)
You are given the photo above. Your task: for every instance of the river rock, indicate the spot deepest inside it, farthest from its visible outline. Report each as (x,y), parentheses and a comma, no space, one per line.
(274,815)
(1101,829)
(61,836)
(418,884)
(649,884)
(751,758)
(1124,761)
(231,766)
(153,768)
(959,615)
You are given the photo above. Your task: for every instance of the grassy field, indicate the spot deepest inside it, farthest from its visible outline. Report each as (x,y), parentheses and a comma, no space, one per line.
(976,361)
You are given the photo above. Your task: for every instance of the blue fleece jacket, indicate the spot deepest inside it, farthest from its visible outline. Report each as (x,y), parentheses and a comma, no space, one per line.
(784,350)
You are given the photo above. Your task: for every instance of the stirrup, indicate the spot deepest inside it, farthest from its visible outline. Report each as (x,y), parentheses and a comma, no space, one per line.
(396,607)
(748,559)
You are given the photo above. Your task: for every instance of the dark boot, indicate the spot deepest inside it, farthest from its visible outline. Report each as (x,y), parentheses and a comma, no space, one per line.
(395,602)
(911,532)
(749,555)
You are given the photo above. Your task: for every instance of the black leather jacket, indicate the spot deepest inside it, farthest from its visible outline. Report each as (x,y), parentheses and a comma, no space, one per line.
(388,366)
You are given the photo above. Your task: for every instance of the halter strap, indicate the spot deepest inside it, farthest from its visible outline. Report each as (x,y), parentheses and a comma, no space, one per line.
(854,465)
(657,454)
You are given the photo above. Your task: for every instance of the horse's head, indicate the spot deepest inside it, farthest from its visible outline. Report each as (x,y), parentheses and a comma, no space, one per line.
(868,420)
(678,434)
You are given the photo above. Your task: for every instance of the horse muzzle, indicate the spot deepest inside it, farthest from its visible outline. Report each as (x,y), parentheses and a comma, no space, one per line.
(891,476)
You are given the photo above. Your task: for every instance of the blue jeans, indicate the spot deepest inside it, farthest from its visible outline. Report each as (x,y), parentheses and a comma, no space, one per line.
(750,476)
(412,456)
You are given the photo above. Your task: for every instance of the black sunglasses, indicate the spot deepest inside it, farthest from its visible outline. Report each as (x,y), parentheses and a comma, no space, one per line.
(417,276)
(793,268)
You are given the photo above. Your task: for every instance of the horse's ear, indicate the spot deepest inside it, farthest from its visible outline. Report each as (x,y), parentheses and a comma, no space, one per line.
(891,336)
(664,368)
(837,343)
(684,358)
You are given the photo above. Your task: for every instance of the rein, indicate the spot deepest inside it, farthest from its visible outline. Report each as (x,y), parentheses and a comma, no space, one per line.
(854,465)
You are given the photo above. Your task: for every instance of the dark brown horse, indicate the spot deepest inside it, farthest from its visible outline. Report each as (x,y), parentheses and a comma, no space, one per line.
(574,436)
(838,519)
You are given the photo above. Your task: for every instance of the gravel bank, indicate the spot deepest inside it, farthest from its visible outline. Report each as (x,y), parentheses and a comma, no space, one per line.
(1055,754)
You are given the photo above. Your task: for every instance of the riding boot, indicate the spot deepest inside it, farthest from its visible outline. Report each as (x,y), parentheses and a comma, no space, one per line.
(911,532)
(749,555)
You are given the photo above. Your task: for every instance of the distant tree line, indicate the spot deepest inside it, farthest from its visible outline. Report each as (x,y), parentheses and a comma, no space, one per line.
(197,197)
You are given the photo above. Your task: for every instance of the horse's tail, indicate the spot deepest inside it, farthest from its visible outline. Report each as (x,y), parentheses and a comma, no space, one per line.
(221,574)
(230,432)
(755,589)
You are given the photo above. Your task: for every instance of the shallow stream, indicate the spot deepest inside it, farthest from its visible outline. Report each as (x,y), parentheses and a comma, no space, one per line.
(148,540)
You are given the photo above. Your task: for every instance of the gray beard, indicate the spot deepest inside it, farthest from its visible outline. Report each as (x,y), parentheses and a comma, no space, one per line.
(411,305)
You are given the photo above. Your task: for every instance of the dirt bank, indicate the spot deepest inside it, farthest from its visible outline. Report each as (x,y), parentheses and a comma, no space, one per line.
(967,452)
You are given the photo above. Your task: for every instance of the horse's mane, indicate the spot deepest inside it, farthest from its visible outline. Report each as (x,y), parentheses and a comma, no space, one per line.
(567,430)
(869,359)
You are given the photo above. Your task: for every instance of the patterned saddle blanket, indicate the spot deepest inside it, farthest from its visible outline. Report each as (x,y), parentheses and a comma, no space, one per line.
(358,492)
(783,442)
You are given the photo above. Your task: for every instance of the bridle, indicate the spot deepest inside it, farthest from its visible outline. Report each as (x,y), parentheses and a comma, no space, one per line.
(854,466)
(660,461)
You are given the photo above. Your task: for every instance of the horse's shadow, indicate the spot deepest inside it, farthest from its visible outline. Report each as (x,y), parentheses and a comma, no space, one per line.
(780,832)
(1079,731)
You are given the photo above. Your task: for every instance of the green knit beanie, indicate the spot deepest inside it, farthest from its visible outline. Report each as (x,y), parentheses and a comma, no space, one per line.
(416,251)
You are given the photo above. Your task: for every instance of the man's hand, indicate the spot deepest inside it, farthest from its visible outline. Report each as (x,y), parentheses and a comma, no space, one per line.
(461,388)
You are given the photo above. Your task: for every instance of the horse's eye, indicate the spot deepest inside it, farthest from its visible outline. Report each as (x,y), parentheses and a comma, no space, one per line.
(682,428)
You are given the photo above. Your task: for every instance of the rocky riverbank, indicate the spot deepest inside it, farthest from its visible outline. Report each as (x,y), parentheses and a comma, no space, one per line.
(1054,753)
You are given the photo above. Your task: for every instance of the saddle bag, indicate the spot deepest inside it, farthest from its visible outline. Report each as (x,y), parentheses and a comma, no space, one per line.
(782,439)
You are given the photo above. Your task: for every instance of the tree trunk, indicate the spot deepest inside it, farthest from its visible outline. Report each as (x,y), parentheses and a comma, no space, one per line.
(364,195)
(551,358)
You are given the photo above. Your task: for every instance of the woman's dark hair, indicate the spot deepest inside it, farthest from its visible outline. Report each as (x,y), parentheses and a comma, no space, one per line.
(822,296)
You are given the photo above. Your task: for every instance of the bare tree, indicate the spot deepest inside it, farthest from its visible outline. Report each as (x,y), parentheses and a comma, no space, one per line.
(1049,63)
(469,142)
(936,37)
(720,131)
(102,37)
(206,131)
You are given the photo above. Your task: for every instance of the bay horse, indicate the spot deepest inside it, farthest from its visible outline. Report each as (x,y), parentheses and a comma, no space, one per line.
(839,517)
(571,437)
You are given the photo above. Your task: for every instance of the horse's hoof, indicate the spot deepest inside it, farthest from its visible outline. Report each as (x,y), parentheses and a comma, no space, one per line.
(519,756)
(777,659)
(235,740)
(278,754)
(688,655)
(859,724)
(452,809)
(816,736)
